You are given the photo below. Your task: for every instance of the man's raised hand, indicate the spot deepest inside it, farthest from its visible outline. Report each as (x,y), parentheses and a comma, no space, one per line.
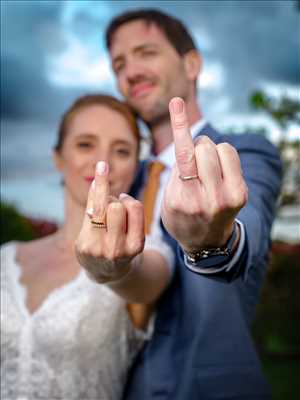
(206,189)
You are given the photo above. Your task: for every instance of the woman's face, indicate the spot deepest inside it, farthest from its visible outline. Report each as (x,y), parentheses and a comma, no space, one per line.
(97,133)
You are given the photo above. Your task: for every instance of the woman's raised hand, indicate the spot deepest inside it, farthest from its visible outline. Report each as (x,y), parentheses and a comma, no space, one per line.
(112,236)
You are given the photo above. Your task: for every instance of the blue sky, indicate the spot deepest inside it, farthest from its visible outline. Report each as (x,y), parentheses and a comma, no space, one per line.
(53,51)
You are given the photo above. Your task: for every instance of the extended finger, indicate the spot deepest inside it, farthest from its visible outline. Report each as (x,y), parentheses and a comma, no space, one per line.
(184,146)
(101,192)
(135,223)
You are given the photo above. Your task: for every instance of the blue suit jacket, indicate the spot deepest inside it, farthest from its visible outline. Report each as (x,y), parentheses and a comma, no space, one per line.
(202,347)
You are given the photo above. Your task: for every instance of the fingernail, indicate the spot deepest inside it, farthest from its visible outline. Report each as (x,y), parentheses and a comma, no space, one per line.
(123,196)
(93,184)
(176,105)
(102,167)
(90,212)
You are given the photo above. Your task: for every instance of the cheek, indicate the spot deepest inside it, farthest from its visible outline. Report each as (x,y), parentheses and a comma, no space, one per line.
(127,175)
(122,85)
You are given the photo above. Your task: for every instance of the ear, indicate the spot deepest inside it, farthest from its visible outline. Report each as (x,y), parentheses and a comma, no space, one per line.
(192,64)
(58,160)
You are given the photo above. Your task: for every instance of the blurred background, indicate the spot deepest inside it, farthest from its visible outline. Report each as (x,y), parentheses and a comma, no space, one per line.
(53,51)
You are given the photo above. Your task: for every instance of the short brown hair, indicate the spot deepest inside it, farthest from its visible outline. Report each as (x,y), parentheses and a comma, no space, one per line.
(96,99)
(174,30)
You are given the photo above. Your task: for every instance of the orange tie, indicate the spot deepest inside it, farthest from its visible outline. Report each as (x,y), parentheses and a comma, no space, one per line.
(152,186)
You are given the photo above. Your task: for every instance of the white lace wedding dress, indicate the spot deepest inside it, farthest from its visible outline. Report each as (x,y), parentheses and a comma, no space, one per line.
(78,345)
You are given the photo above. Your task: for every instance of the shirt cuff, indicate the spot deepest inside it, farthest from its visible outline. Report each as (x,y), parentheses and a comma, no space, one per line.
(196,267)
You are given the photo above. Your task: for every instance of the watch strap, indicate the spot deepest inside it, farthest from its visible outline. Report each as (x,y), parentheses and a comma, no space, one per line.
(215,255)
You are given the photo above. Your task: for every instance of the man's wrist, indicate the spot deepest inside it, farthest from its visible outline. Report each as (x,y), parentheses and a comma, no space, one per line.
(212,256)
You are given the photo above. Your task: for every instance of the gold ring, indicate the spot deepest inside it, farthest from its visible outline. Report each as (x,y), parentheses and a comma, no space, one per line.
(98,224)
(188,178)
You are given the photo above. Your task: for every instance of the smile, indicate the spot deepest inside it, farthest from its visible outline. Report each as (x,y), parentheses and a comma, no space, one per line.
(141,89)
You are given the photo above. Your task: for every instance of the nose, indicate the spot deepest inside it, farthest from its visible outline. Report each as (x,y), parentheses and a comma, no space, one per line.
(133,71)
(102,154)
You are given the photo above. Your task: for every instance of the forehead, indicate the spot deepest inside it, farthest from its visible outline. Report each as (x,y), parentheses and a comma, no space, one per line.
(99,119)
(134,34)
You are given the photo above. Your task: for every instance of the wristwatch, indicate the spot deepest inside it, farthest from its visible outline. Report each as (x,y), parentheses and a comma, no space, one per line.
(213,256)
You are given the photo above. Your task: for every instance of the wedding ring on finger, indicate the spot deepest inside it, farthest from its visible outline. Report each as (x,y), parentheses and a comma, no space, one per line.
(97,224)
(188,178)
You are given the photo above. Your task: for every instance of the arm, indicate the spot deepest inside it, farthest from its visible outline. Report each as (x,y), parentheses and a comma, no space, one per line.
(114,254)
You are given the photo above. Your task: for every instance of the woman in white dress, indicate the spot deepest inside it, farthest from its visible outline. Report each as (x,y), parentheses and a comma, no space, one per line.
(64,336)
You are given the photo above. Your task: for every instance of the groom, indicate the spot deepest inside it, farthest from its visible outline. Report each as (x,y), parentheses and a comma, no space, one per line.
(219,204)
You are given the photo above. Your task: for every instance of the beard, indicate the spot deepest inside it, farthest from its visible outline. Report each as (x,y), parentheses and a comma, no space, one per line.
(153,113)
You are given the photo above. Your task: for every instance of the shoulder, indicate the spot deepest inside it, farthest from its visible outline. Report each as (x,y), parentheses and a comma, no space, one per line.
(8,250)
(250,142)
(24,253)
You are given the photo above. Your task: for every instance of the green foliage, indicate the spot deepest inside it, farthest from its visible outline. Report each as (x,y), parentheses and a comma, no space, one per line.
(14,226)
(277,324)
(283,110)
(283,375)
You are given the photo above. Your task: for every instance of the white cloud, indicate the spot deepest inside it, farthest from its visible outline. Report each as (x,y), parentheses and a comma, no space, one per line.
(78,66)
(240,121)
(212,76)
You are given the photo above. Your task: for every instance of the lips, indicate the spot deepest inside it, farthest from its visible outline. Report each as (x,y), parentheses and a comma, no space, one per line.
(89,179)
(141,89)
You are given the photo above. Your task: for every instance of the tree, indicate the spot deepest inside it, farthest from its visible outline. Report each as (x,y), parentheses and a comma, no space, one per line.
(283,110)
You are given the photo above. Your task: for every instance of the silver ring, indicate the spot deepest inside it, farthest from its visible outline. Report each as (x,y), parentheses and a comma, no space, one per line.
(98,224)
(188,178)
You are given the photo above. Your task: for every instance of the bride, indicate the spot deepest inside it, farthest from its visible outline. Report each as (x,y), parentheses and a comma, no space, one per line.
(64,336)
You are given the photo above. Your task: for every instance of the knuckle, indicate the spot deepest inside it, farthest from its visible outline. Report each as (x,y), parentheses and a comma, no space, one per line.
(136,246)
(228,149)
(224,146)
(217,207)
(112,254)
(115,207)
(185,155)
(136,206)
(237,200)
(180,121)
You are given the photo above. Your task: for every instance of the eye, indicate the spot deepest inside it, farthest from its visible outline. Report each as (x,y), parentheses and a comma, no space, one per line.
(149,53)
(84,145)
(123,152)
(118,67)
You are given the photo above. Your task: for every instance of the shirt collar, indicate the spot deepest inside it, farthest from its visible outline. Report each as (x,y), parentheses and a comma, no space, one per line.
(167,156)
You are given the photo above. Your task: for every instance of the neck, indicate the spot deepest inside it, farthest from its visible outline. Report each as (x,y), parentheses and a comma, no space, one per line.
(162,131)
(74,214)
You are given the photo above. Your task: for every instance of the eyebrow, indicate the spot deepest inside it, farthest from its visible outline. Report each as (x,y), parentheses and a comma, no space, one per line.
(94,137)
(85,135)
(137,49)
(122,141)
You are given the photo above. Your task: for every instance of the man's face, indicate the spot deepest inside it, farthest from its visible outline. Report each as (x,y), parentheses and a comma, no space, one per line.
(148,69)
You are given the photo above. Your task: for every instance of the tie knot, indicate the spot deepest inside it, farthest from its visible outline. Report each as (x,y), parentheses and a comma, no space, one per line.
(156,168)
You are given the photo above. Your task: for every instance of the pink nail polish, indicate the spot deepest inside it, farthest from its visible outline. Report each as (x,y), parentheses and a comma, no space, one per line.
(102,167)
(177,105)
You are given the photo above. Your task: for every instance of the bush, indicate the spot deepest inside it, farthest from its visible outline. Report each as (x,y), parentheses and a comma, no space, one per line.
(277,324)
(15,226)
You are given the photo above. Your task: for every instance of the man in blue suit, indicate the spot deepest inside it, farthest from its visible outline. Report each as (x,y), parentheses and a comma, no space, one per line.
(218,207)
